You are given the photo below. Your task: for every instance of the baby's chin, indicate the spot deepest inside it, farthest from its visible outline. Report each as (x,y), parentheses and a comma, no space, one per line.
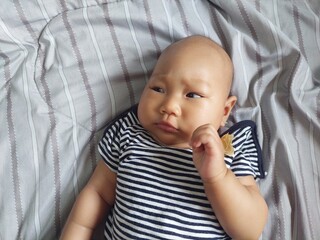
(172,144)
(180,145)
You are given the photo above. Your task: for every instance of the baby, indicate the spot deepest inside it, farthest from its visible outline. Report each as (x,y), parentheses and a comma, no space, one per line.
(165,173)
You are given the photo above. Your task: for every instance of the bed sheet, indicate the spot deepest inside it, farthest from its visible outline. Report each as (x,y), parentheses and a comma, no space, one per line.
(67,67)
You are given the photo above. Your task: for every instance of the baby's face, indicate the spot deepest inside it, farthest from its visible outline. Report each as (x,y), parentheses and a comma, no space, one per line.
(188,88)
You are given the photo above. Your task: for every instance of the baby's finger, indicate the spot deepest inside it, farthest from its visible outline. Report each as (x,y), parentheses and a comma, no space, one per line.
(205,138)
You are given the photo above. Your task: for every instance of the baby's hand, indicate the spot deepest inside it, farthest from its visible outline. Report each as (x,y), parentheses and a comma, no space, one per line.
(208,153)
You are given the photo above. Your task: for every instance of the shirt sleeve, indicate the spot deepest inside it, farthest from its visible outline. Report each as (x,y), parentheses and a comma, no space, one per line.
(247,158)
(109,147)
(111,144)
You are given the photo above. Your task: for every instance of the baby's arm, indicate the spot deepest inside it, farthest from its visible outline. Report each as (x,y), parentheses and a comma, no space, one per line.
(92,204)
(237,203)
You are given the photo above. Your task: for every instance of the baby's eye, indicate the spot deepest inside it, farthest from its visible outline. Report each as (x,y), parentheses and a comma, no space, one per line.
(193,95)
(158,89)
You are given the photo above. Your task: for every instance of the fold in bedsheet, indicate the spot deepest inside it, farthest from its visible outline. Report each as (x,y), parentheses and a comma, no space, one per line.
(69,67)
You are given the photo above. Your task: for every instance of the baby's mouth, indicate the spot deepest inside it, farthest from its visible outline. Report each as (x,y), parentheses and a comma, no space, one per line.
(167,127)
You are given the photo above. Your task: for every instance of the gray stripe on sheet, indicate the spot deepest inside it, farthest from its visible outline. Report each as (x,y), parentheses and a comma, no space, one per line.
(265,127)
(67,93)
(183,18)
(274,175)
(220,33)
(296,17)
(100,58)
(314,158)
(63,5)
(258,5)
(52,122)
(170,27)
(54,146)
(120,54)
(56,167)
(279,221)
(316,31)
(84,76)
(25,87)
(151,29)
(12,144)
(254,35)
(135,39)
(86,82)
(294,120)
(24,20)
(33,35)
(260,73)
(205,29)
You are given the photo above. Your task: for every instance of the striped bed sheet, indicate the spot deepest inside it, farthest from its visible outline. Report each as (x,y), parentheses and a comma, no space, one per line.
(68,67)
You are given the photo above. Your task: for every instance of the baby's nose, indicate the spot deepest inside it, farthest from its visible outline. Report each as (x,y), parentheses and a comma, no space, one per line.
(171,106)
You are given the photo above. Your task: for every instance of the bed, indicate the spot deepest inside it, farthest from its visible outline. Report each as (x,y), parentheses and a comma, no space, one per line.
(67,67)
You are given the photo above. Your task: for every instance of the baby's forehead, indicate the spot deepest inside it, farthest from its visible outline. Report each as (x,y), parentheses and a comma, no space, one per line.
(197,54)
(197,48)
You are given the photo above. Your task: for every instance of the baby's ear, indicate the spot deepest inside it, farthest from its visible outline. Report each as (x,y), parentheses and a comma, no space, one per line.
(230,102)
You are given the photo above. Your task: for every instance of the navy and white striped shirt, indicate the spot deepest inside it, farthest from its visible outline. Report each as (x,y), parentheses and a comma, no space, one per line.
(159,193)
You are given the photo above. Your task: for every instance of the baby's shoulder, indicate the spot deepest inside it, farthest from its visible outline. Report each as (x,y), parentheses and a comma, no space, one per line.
(242,149)
(124,120)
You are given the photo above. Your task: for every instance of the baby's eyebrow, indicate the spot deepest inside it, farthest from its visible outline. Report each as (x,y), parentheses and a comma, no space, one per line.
(157,77)
(200,83)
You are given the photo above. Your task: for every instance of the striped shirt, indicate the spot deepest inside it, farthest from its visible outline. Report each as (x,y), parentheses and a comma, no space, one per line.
(159,193)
